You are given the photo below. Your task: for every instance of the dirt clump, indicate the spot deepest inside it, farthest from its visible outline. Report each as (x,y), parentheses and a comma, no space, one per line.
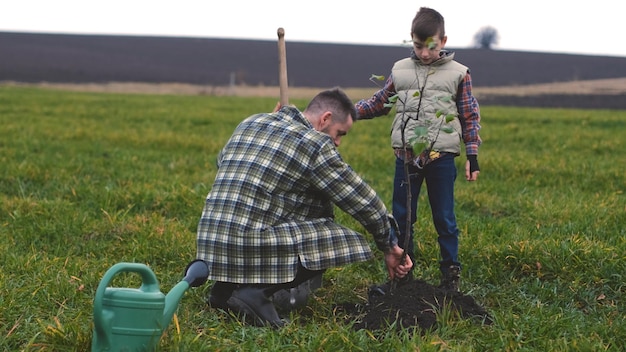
(416,304)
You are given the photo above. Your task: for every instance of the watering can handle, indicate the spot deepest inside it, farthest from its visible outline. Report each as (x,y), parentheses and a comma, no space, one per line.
(149,283)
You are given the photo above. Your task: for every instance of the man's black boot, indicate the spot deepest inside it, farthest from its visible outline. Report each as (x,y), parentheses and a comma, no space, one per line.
(220,293)
(254,301)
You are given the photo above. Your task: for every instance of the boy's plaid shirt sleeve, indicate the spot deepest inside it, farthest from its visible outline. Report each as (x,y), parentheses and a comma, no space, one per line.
(469,115)
(375,106)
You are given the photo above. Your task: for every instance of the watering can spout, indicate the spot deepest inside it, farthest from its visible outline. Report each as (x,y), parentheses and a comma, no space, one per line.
(196,274)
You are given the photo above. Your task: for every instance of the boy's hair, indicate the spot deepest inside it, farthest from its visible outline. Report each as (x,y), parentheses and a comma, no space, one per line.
(427,23)
(336,101)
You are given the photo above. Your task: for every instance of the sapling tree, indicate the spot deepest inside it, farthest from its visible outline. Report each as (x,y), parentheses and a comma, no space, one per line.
(418,148)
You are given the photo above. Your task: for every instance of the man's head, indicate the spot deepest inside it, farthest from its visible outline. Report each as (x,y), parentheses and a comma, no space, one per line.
(428,33)
(332,112)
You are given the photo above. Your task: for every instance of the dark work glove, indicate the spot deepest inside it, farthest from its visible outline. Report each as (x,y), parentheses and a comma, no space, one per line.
(473,160)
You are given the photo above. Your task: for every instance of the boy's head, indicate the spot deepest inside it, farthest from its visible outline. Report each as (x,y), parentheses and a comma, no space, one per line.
(428,23)
(428,33)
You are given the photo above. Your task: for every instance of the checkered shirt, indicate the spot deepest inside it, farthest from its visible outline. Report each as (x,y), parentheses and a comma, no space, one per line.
(272,204)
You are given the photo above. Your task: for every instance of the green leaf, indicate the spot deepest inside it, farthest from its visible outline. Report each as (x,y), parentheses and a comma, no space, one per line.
(449,117)
(447,129)
(419,146)
(417,93)
(392,100)
(377,77)
(430,42)
(438,113)
(446,98)
(421,131)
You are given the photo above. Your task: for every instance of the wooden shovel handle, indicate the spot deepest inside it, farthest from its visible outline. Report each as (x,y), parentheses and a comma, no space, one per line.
(282,68)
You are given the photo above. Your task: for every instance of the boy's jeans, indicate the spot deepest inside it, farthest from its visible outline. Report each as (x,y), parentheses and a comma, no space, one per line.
(439,176)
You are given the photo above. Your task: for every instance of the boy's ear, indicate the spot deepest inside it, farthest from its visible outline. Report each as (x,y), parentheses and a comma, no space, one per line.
(444,40)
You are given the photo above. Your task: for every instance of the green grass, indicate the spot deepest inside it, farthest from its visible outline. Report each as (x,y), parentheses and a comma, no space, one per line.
(90,180)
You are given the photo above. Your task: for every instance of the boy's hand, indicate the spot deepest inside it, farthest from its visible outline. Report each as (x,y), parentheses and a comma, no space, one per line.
(471,168)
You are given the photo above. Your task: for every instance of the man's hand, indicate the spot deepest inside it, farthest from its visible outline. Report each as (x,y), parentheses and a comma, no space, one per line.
(395,267)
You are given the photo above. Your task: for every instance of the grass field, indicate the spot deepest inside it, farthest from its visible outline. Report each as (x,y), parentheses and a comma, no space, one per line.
(88,180)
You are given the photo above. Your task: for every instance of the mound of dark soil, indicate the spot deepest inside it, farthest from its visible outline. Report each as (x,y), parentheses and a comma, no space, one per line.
(414,304)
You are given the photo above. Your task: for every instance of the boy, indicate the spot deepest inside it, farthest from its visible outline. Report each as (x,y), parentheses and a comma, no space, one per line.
(434,103)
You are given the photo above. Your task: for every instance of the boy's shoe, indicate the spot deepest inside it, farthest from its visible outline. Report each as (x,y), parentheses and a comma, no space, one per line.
(450,280)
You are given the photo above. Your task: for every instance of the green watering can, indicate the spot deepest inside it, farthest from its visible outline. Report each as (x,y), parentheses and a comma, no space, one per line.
(129,319)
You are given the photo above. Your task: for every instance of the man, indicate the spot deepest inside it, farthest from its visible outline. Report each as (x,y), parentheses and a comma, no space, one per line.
(268,221)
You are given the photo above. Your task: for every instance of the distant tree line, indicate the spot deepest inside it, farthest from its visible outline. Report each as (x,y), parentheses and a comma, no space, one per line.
(486,38)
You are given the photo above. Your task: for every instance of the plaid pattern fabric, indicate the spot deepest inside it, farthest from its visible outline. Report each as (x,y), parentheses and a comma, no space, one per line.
(272,204)
(469,115)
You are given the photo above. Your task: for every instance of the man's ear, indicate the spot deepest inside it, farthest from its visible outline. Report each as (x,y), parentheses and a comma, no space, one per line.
(326,119)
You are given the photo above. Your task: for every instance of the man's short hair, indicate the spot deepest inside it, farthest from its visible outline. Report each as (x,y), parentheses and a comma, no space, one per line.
(336,101)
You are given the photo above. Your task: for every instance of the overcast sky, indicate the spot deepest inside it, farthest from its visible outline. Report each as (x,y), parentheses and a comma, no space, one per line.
(556,26)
